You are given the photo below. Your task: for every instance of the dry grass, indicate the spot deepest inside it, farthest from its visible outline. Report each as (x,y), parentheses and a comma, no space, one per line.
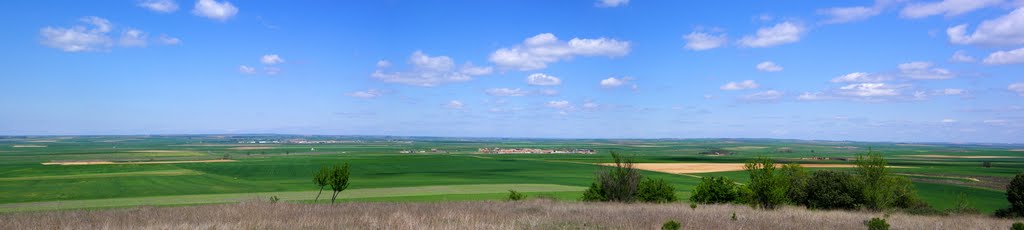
(532,214)
(718,167)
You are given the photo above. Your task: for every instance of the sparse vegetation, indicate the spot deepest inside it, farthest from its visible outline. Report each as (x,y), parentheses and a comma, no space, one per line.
(877,224)
(515,196)
(962,206)
(670,225)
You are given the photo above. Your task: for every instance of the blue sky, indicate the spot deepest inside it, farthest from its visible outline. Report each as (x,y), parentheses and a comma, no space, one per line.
(888,70)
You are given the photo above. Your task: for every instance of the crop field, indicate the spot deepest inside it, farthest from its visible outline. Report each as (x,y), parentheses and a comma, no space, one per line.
(89,172)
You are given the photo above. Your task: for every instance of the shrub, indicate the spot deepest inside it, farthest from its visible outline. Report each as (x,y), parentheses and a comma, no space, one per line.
(671,225)
(655,191)
(833,190)
(796,179)
(1005,213)
(714,190)
(274,199)
(986,164)
(594,193)
(768,186)
(693,206)
(1015,194)
(877,224)
(1017,226)
(617,184)
(962,206)
(514,196)
(734,216)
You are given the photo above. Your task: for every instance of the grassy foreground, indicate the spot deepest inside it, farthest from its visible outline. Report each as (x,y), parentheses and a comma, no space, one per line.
(530,214)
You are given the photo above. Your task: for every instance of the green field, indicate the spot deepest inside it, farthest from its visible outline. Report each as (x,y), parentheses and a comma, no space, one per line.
(454,171)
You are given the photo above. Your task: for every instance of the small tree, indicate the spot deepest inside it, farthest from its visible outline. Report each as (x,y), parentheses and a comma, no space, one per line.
(320,178)
(594,193)
(871,168)
(618,184)
(833,190)
(515,196)
(1015,194)
(796,180)
(768,186)
(713,190)
(655,191)
(338,180)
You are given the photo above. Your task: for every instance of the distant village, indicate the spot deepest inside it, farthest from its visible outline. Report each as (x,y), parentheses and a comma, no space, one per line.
(534,151)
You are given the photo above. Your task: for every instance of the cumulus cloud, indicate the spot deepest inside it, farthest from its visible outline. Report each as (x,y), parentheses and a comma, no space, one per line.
(1017,88)
(429,71)
(160,6)
(748,84)
(271,59)
(1005,30)
(768,95)
(246,69)
(366,94)
(858,77)
(869,90)
(133,38)
(542,79)
(704,41)
(168,40)
(948,8)
(961,56)
(612,82)
(768,66)
(611,3)
(506,92)
(79,38)
(779,34)
(1005,57)
(454,104)
(558,104)
(848,14)
(924,71)
(538,51)
(212,9)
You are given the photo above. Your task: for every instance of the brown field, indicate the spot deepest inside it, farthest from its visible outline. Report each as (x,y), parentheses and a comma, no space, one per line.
(132,163)
(958,157)
(717,167)
(250,148)
(531,214)
(158,151)
(1017,150)
(28,146)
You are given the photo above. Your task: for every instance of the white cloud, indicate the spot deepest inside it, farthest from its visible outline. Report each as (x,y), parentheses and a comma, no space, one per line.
(961,56)
(704,41)
(1005,30)
(160,6)
(748,84)
(848,14)
(366,94)
(1017,88)
(951,92)
(246,69)
(542,79)
(948,8)
(506,92)
(1005,57)
(924,71)
(429,71)
(809,96)
(858,77)
(133,38)
(611,3)
(590,105)
(558,104)
(271,59)
(768,66)
(79,38)
(538,51)
(612,82)
(782,33)
(168,40)
(212,9)
(454,104)
(869,90)
(769,95)
(948,120)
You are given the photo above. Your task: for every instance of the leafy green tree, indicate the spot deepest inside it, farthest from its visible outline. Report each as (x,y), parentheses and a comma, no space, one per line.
(871,168)
(618,184)
(833,190)
(768,186)
(338,180)
(320,178)
(1015,194)
(594,193)
(655,191)
(796,179)
(715,190)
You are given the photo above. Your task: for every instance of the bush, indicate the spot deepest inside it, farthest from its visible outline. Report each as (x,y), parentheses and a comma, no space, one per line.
(274,199)
(833,190)
(962,206)
(618,184)
(594,193)
(655,191)
(1015,194)
(1017,226)
(877,224)
(768,186)
(796,179)
(693,206)
(514,196)
(714,190)
(671,225)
